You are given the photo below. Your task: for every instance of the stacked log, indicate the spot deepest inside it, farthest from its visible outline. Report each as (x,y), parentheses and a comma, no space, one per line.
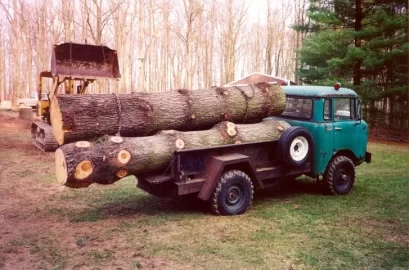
(111,158)
(83,117)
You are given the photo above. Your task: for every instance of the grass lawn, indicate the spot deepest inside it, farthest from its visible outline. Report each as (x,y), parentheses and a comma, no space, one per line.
(286,228)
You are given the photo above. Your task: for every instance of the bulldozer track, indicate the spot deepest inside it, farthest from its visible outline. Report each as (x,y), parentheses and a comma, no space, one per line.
(42,137)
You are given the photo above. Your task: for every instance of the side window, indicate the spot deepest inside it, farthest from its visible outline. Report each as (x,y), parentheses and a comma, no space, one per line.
(298,108)
(344,109)
(328,109)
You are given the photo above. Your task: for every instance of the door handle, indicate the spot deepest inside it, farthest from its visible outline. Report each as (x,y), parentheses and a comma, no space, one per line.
(338,128)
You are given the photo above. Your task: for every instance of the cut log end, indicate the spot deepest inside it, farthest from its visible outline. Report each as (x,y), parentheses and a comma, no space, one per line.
(124,157)
(83,170)
(56,120)
(60,167)
(231,129)
(116,139)
(230,125)
(231,132)
(180,144)
(82,144)
(121,173)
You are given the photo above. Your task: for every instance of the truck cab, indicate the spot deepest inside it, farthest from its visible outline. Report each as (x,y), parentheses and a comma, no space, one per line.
(333,117)
(327,140)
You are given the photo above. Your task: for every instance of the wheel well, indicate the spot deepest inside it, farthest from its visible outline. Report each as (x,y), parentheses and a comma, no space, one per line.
(246,168)
(348,153)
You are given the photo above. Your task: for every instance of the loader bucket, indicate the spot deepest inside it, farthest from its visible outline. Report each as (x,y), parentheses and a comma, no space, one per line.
(84,61)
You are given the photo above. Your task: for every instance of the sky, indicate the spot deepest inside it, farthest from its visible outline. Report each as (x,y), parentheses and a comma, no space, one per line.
(257,8)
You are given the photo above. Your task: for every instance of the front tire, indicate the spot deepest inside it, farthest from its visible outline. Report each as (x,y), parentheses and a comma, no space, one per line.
(339,176)
(233,194)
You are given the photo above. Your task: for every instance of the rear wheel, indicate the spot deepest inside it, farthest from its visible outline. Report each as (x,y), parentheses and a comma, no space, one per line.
(339,176)
(233,194)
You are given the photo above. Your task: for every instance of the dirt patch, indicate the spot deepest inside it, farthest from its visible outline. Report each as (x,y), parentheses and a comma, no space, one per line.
(31,236)
(392,230)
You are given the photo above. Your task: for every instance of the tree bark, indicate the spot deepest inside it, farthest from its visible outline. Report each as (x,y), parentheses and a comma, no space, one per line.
(111,158)
(82,117)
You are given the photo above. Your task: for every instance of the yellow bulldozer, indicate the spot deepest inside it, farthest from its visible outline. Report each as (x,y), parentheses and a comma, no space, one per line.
(73,66)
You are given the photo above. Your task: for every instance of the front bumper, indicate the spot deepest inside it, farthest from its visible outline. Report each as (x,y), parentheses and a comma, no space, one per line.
(368,157)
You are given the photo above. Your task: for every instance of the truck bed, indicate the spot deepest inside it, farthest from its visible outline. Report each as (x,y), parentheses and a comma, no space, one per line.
(187,172)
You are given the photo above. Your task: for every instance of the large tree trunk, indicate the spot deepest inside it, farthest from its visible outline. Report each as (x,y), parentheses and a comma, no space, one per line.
(112,158)
(82,117)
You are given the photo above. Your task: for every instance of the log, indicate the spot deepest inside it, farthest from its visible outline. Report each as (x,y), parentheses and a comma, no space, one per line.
(111,158)
(83,117)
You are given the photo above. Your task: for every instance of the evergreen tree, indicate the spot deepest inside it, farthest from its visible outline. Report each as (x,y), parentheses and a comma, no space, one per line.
(360,43)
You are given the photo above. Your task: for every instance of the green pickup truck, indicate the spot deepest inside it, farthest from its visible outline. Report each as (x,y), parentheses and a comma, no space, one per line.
(326,140)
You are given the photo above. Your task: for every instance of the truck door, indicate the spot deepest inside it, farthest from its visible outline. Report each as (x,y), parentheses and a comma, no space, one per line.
(345,124)
(326,143)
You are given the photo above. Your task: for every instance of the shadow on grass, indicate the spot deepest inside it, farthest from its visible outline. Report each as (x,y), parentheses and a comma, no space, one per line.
(150,205)
(292,189)
(125,204)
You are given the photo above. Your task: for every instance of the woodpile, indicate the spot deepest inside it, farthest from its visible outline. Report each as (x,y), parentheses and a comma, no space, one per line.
(111,158)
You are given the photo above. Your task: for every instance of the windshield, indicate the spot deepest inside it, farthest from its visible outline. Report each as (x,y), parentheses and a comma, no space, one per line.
(298,108)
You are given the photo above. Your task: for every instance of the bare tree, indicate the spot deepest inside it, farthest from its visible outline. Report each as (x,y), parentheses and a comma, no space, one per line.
(67,11)
(2,63)
(13,17)
(231,28)
(300,8)
(161,44)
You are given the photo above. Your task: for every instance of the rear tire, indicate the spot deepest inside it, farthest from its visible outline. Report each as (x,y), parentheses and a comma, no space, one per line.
(339,176)
(233,194)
